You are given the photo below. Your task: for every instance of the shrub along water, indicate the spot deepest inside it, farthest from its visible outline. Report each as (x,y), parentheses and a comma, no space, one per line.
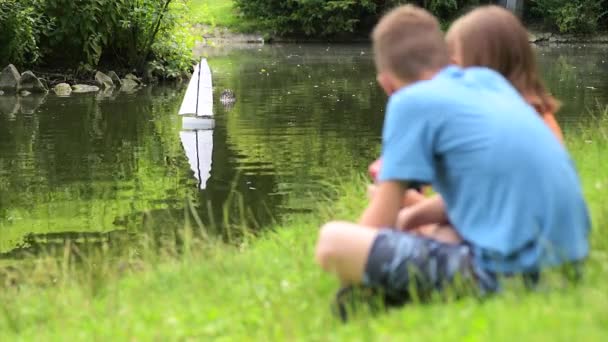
(84,34)
(570,16)
(322,18)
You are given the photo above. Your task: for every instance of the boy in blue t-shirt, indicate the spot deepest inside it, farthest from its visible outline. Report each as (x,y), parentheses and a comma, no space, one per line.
(507,186)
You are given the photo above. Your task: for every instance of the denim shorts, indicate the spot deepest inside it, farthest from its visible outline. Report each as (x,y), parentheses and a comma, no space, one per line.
(404,266)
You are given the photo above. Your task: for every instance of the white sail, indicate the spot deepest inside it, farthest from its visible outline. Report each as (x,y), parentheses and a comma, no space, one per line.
(199,149)
(198,100)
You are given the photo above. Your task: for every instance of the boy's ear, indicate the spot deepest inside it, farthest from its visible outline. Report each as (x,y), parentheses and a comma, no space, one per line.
(386,82)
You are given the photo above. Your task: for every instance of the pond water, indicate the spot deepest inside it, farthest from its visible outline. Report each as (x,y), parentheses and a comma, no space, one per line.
(107,168)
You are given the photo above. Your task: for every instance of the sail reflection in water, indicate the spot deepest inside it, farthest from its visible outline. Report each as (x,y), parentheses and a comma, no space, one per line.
(198,145)
(198,123)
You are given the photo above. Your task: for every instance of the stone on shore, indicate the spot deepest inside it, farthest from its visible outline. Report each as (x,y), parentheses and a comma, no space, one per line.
(103,81)
(62,89)
(84,88)
(117,81)
(24,93)
(128,85)
(31,83)
(1,93)
(148,76)
(9,79)
(44,82)
(133,77)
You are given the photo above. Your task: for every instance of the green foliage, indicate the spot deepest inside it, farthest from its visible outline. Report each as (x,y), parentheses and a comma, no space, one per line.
(20,29)
(331,17)
(87,33)
(576,16)
(308,17)
(216,13)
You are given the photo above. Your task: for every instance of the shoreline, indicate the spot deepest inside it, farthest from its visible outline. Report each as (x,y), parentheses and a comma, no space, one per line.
(551,38)
(220,38)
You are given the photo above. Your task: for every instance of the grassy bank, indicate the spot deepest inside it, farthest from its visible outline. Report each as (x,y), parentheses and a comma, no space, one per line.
(215,13)
(270,289)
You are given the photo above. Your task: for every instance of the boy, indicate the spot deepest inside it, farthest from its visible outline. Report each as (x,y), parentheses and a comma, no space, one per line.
(508,186)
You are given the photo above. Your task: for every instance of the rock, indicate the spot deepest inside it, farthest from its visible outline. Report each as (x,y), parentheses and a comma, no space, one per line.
(84,88)
(29,105)
(24,93)
(570,38)
(602,38)
(117,81)
(149,73)
(128,85)
(31,83)
(1,93)
(9,79)
(63,89)
(133,77)
(103,81)
(44,82)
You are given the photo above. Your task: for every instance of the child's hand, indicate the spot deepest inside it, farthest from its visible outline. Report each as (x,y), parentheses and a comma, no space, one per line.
(374,169)
(404,219)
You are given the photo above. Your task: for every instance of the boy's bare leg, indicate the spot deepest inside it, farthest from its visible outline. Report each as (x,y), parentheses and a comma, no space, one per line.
(343,249)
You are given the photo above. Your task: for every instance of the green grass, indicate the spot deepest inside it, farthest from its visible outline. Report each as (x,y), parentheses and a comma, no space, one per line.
(270,289)
(215,13)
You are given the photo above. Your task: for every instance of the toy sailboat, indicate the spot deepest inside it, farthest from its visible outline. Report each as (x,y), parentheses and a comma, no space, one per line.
(197,106)
(198,123)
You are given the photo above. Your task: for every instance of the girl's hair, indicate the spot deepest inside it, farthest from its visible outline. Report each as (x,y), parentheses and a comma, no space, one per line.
(493,37)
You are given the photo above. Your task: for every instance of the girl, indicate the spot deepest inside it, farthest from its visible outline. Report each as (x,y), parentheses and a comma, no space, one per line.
(493,37)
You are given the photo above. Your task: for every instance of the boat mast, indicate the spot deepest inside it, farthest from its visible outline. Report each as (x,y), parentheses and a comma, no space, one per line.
(198,88)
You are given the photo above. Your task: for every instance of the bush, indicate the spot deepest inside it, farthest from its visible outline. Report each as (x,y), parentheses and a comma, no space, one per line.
(570,16)
(307,17)
(19,32)
(330,17)
(84,34)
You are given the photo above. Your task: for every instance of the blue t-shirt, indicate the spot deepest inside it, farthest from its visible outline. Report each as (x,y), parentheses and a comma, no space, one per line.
(509,186)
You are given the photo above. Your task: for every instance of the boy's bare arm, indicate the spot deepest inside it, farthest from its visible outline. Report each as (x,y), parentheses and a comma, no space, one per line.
(384,206)
(428,211)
